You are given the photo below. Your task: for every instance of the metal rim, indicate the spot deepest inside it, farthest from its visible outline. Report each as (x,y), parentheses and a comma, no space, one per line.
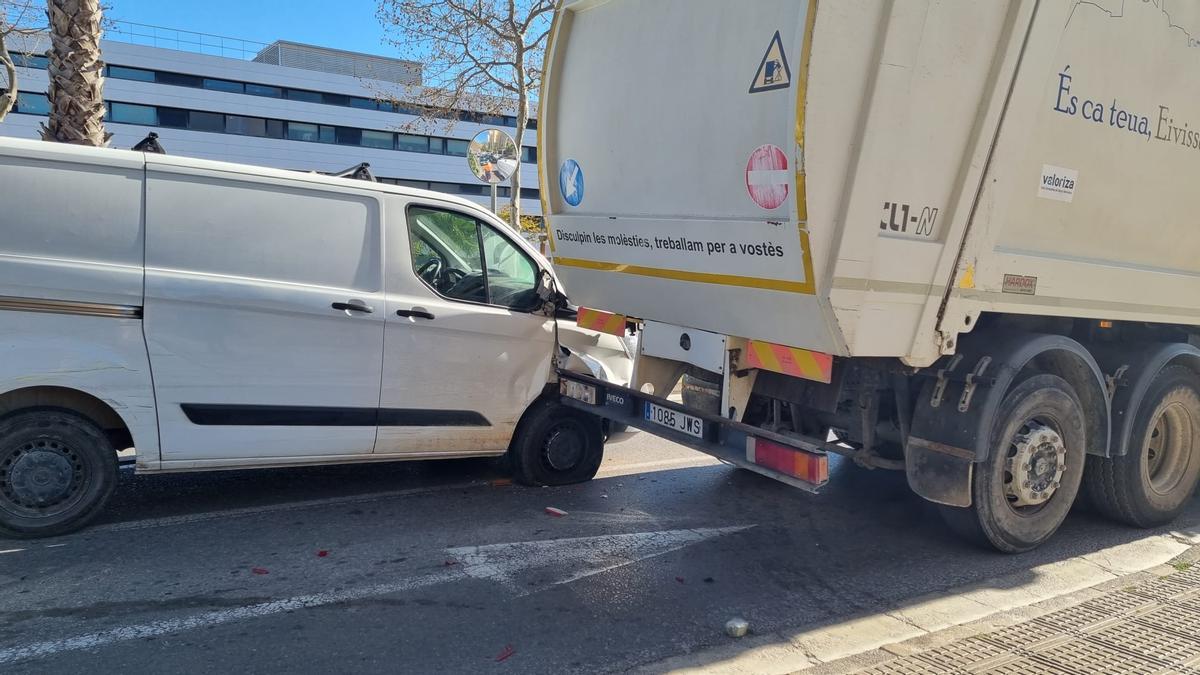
(1034,466)
(564,446)
(40,478)
(1168,448)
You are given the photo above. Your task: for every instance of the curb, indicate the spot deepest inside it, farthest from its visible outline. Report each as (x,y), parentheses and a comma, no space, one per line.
(939,618)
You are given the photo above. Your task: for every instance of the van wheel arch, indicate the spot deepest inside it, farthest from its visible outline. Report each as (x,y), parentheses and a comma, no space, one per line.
(76,401)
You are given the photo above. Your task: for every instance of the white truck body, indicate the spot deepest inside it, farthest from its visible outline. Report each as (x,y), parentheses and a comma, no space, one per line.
(956,237)
(917,136)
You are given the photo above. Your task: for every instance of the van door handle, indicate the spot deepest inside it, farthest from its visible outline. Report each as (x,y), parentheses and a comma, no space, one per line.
(353,306)
(416,313)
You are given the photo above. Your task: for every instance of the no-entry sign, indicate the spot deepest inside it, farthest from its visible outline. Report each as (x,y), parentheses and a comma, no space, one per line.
(767,177)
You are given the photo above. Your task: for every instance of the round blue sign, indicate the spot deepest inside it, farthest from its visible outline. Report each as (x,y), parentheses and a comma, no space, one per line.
(570,182)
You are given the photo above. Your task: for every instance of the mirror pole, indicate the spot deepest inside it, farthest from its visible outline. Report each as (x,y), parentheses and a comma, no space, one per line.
(494,191)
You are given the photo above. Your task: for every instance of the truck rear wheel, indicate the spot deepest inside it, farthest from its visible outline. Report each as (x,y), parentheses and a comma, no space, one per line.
(1152,483)
(57,470)
(1021,494)
(556,445)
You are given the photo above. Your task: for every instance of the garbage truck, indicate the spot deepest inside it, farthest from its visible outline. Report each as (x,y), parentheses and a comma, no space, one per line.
(958,239)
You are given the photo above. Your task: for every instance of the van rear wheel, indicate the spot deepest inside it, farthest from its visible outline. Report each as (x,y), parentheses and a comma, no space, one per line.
(556,445)
(57,470)
(1153,482)
(1022,493)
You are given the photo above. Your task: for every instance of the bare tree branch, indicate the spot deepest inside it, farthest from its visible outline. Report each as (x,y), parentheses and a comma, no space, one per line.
(9,97)
(478,57)
(16,19)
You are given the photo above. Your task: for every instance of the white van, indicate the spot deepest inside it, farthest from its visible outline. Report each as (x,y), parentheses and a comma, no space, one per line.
(219,316)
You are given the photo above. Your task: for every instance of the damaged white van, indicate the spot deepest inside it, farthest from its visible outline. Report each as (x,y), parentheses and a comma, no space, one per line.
(219,316)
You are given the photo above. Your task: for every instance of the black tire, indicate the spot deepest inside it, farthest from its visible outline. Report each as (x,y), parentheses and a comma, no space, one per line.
(57,471)
(556,445)
(1152,483)
(994,518)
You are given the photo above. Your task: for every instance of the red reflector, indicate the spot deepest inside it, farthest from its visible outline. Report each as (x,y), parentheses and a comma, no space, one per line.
(806,466)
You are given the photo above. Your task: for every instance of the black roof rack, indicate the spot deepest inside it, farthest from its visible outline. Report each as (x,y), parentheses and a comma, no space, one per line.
(150,144)
(360,171)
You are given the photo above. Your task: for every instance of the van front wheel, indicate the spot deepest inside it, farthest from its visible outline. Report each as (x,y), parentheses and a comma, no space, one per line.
(556,445)
(57,470)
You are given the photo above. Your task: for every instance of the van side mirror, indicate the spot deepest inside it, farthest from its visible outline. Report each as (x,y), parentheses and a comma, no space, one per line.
(548,292)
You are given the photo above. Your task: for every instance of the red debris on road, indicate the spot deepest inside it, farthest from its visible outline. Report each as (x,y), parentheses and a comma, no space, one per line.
(505,653)
(322,553)
(260,570)
(557,513)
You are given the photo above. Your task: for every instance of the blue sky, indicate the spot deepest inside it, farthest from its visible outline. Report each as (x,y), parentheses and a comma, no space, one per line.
(344,24)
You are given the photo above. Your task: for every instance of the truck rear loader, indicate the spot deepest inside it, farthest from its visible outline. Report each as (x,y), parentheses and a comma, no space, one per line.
(954,238)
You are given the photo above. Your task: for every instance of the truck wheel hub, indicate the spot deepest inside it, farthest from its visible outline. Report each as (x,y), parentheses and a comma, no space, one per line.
(1036,462)
(41,475)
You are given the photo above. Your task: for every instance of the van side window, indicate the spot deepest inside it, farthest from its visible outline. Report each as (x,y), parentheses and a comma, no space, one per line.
(462,258)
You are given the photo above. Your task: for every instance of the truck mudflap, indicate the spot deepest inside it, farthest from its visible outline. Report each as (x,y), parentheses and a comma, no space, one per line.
(801,462)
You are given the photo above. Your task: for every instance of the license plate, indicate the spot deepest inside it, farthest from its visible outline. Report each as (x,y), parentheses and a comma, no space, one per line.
(578,391)
(692,426)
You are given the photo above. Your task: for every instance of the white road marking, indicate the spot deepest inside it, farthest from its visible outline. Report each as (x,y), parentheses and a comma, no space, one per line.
(578,557)
(11,550)
(215,618)
(55,545)
(500,562)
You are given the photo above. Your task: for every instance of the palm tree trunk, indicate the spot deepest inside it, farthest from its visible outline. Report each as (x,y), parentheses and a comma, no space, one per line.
(76,73)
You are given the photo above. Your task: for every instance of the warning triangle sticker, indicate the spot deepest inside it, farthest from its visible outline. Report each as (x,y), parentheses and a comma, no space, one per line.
(773,73)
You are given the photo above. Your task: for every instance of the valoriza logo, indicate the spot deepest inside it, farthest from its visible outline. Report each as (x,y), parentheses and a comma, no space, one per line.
(1058,183)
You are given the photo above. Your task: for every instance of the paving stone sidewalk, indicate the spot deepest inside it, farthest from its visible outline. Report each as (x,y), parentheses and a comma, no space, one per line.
(1151,626)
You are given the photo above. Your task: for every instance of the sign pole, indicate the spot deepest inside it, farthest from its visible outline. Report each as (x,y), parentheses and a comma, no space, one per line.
(494,192)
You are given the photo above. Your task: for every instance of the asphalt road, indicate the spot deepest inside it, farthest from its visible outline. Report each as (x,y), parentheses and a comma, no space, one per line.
(425,567)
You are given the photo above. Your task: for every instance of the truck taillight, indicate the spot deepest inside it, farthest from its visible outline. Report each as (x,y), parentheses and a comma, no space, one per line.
(806,466)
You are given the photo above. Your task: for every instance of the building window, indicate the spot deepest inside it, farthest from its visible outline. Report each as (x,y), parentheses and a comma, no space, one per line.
(529,154)
(456,147)
(206,121)
(32,104)
(224,85)
(348,136)
(31,61)
(419,184)
(263,90)
(178,79)
(245,126)
(530,193)
(173,117)
(478,189)
(305,96)
(364,103)
(411,143)
(377,139)
(333,99)
(328,134)
(299,131)
(129,113)
(274,129)
(123,73)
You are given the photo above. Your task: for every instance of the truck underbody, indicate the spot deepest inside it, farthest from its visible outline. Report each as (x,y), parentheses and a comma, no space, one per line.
(949,425)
